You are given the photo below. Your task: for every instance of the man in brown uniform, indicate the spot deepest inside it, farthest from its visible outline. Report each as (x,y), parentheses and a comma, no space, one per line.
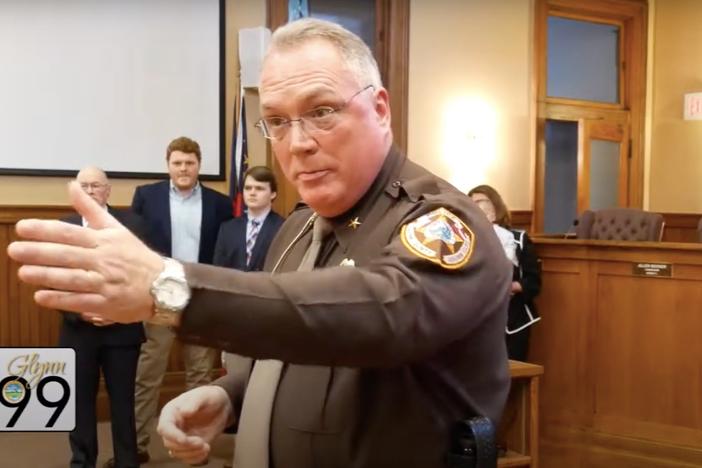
(368,360)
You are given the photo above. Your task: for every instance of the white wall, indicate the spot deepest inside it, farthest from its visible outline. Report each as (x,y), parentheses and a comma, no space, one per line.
(470,97)
(25,190)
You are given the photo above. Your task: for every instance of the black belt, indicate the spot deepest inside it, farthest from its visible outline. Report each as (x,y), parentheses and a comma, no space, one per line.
(473,444)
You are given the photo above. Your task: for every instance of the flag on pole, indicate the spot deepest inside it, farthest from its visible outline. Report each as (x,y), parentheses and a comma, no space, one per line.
(298,9)
(240,159)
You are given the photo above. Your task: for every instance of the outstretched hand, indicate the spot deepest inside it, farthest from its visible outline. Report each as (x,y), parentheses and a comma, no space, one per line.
(190,422)
(103,269)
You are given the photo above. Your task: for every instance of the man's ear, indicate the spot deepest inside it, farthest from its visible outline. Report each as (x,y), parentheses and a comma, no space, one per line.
(274,195)
(382,107)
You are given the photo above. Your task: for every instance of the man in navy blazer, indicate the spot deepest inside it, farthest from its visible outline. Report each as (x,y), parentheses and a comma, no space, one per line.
(236,236)
(183,218)
(100,344)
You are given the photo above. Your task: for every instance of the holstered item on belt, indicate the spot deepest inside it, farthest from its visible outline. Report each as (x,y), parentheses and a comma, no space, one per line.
(472,444)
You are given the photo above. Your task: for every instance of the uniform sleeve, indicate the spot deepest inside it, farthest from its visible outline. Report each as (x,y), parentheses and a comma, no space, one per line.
(400,308)
(531,270)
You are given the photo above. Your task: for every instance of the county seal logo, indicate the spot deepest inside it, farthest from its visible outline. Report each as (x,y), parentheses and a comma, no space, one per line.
(13,392)
(440,237)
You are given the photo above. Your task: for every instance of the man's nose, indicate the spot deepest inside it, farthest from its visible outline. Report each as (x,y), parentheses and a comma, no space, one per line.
(300,139)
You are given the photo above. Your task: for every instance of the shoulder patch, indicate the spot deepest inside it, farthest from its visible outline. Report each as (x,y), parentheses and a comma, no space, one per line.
(440,237)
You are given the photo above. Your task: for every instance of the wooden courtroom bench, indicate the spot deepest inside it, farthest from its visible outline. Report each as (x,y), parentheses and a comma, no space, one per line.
(520,425)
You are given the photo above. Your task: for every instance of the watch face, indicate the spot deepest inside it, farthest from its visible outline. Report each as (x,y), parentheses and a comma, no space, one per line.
(172,293)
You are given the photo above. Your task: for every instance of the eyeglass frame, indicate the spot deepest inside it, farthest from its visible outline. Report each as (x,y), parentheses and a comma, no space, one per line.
(92,185)
(263,127)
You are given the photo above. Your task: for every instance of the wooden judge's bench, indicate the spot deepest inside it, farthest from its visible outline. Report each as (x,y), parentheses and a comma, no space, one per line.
(620,342)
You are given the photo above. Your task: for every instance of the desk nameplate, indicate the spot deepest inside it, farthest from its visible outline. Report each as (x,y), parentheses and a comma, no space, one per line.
(652,269)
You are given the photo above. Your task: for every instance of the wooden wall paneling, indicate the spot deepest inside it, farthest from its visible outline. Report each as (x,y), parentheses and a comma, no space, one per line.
(564,294)
(622,385)
(681,227)
(393,41)
(632,351)
(4,284)
(521,220)
(17,311)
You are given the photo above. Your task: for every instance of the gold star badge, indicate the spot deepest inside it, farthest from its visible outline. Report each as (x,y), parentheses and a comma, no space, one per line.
(354,223)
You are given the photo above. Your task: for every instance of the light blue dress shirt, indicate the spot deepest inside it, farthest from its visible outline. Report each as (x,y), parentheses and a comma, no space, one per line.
(186,220)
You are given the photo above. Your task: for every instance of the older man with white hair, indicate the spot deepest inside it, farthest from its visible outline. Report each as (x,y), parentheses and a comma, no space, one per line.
(102,344)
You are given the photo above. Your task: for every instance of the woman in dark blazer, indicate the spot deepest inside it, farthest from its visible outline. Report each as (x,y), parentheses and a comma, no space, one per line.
(526,280)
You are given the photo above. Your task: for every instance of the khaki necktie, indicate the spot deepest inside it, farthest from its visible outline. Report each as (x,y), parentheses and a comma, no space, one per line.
(253,436)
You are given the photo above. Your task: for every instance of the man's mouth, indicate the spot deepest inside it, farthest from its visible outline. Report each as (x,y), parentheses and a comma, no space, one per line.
(310,176)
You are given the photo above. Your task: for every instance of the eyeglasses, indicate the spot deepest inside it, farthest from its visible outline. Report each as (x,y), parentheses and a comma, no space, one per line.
(318,120)
(92,185)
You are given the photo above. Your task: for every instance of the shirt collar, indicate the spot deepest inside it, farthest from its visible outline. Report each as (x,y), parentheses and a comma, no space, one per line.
(178,192)
(260,218)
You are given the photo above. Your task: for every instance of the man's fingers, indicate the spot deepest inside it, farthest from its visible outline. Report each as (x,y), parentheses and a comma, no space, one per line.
(61,278)
(94,214)
(72,301)
(172,435)
(50,254)
(51,230)
(186,444)
(190,456)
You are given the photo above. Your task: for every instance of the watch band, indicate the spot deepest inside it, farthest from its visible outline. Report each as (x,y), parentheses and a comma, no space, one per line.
(171,293)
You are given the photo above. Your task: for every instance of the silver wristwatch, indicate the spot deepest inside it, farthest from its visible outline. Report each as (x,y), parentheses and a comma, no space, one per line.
(170,292)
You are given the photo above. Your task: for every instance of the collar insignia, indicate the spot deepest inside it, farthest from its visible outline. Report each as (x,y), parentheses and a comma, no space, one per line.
(440,237)
(347,262)
(354,223)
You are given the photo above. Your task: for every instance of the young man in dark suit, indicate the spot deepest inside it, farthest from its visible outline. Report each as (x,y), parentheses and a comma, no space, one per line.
(183,218)
(102,344)
(242,243)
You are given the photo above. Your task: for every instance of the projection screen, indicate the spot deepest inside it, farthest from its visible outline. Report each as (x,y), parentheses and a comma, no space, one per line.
(110,83)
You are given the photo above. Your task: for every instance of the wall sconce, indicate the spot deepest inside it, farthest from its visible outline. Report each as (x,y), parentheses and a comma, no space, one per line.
(469,140)
(693,106)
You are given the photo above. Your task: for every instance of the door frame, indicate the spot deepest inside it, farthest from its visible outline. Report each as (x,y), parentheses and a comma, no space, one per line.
(631,16)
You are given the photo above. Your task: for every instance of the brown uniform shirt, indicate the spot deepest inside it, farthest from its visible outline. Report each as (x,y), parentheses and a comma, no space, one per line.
(381,357)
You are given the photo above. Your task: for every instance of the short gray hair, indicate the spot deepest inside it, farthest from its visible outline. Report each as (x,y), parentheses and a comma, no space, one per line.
(357,56)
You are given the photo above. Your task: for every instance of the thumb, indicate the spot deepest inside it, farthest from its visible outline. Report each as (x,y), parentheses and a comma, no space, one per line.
(93,213)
